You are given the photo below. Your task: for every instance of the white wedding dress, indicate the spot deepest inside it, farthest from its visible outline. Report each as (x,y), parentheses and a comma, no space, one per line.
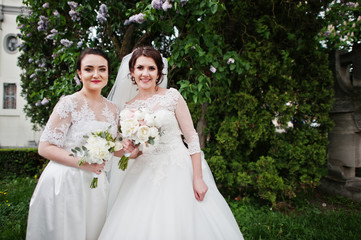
(63,205)
(155,200)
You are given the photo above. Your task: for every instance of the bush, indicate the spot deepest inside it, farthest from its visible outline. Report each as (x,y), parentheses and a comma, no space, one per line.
(20,162)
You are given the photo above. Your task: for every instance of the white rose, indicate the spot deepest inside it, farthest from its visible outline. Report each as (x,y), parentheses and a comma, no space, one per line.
(118,146)
(111,144)
(143,134)
(126,114)
(129,127)
(149,120)
(153,132)
(139,115)
(158,122)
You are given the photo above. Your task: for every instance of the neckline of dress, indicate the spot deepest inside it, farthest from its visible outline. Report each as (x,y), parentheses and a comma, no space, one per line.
(151,97)
(88,106)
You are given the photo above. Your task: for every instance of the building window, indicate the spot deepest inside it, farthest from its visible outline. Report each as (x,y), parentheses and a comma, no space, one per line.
(9,96)
(11,43)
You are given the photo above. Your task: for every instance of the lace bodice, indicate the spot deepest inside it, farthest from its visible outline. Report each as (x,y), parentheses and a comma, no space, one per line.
(72,118)
(173,117)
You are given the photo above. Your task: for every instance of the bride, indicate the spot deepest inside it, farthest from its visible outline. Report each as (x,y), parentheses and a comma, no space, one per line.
(168,192)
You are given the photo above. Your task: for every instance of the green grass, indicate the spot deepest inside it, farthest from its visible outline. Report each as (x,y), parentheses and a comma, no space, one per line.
(15,196)
(313,216)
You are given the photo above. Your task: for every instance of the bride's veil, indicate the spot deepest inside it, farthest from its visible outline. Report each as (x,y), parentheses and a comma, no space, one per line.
(123,91)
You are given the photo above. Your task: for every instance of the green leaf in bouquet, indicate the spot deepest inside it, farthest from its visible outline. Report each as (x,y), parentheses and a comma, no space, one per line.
(81,161)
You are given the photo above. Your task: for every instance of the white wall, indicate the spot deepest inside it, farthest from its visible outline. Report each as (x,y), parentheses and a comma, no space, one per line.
(15,129)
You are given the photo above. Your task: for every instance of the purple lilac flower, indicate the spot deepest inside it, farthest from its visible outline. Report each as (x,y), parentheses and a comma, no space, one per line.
(102,14)
(38,103)
(21,26)
(32,76)
(43,64)
(56,13)
(43,23)
(166,5)
(213,69)
(326,33)
(183,2)
(44,101)
(157,4)
(230,61)
(53,33)
(46,5)
(66,42)
(73,5)
(350,4)
(138,18)
(79,44)
(75,15)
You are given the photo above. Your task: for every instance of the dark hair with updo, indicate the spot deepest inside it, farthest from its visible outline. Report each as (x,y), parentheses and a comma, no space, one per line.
(148,51)
(94,51)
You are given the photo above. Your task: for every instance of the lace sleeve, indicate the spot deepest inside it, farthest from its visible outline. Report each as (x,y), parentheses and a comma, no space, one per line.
(59,122)
(186,125)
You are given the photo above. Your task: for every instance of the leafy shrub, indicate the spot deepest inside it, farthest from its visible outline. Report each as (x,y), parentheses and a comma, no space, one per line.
(20,162)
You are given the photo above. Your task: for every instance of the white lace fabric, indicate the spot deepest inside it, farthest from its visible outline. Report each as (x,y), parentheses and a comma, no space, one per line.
(72,118)
(172,111)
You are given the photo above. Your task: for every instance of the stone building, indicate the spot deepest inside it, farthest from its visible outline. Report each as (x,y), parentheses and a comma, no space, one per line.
(15,128)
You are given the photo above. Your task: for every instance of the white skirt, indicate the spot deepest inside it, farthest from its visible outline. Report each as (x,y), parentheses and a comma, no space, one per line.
(63,205)
(155,201)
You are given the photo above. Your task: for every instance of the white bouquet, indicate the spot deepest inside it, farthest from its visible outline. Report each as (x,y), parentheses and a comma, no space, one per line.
(140,127)
(98,148)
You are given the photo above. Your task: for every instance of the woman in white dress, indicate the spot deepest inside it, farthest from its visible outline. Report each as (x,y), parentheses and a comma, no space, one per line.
(63,205)
(168,193)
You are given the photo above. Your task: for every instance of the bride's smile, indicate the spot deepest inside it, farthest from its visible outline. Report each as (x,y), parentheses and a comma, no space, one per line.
(145,73)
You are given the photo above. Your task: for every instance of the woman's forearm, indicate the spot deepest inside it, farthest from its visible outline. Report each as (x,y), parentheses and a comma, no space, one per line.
(197,166)
(57,154)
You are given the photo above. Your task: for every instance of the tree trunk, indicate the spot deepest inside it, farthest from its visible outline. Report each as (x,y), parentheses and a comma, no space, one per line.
(128,42)
(201,124)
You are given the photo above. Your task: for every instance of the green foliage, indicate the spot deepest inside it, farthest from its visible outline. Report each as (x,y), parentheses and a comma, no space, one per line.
(313,221)
(343,25)
(313,217)
(20,162)
(251,62)
(15,194)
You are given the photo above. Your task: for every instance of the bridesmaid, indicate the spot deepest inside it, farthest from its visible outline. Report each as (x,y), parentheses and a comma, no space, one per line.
(63,205)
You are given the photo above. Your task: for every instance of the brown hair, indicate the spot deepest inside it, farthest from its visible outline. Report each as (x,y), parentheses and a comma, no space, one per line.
(148,51)
(94,51)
